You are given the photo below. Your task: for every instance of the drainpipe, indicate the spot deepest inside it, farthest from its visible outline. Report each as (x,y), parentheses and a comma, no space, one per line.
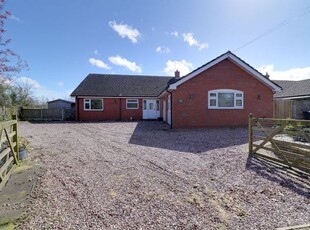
(170,107)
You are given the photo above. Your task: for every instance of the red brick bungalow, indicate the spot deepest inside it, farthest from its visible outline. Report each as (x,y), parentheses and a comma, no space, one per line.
(220,93)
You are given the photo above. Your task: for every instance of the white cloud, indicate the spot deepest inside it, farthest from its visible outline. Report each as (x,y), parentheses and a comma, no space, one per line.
(27,81)
(162,49)
(175,34)
(60,83)
(125,30)
(132,66)
(96,52)
(98,63)
(183,66)
(13,17)
(294,74)
(191,41)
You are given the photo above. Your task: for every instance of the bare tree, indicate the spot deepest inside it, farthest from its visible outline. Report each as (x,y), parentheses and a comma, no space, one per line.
(10,61)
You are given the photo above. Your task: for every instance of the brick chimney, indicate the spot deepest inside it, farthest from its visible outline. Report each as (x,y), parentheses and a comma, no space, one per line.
(267,75)
(177,74)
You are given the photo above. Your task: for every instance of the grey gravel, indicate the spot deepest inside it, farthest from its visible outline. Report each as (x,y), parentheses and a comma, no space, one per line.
(142,175)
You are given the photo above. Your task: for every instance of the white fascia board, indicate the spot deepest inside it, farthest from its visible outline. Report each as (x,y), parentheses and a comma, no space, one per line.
(123,97)
(291,98)
(255,73)
(240,63)
(163,94)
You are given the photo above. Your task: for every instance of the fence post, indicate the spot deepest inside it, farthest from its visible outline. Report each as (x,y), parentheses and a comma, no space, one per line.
(62,114)
(250,133)
(15,137)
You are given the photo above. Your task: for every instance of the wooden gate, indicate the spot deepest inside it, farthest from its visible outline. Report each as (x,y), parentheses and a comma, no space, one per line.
(285,141)
(8,149)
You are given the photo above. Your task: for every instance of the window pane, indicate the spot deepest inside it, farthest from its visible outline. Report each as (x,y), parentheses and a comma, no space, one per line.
(239,103)
(87,105)
(225,99)
(157,105)
(132,105)
(96,104)
(212,94)
(132,101)
(212,102)
(238,94)
(151,105)
(144,105)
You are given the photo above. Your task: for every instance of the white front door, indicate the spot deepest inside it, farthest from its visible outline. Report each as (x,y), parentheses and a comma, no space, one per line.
(151,109)
(169,110)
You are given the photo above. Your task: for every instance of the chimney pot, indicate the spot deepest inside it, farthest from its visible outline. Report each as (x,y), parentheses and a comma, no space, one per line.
(267,75)
(177,74)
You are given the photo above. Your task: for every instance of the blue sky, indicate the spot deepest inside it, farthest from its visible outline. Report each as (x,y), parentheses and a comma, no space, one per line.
(63,41)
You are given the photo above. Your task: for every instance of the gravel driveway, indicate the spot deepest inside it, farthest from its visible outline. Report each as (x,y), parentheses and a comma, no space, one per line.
(142,175)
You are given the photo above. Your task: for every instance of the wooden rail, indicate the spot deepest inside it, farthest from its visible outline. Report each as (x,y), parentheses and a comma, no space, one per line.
(285,141)
(8,149)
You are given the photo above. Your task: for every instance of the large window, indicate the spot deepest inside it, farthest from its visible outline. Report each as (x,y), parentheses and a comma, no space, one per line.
(132,104)
(225,99)
(93,104)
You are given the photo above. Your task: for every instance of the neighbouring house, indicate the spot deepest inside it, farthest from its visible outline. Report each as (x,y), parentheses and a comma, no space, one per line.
(60,104)
(220,93)
(293,101)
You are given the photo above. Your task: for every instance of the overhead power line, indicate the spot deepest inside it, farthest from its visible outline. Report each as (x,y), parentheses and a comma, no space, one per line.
(282,24)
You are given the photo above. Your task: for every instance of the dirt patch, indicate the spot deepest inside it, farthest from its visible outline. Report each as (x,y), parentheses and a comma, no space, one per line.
(142,175)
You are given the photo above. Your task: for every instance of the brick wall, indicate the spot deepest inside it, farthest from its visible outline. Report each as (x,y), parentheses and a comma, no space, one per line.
(190,100)
(114,110)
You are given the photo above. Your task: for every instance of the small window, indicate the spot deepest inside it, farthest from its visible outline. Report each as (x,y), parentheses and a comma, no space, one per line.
(132,104)
(93,104)
(225,99)
(157,105)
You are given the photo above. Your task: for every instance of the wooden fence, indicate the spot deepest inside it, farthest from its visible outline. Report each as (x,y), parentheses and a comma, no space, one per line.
(47,114)
(282,109)
(8,149)
(285,141)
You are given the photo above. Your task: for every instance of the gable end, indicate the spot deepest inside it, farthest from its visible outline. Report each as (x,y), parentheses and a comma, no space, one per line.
(236,60)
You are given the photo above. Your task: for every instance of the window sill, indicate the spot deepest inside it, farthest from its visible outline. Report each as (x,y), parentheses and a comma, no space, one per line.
(93,110)
(233,108)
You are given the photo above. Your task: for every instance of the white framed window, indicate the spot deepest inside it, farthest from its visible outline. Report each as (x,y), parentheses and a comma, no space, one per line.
(93,104)
(225,99)
(132,103)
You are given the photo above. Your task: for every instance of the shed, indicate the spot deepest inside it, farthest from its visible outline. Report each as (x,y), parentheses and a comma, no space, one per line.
(60,104)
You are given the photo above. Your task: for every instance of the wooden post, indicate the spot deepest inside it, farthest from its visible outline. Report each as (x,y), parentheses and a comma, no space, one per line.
(15,137)
(250,133)
(63,114)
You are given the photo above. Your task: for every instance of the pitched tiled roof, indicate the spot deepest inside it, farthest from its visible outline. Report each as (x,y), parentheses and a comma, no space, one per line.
(293,88)
(69,102)
(107,85)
